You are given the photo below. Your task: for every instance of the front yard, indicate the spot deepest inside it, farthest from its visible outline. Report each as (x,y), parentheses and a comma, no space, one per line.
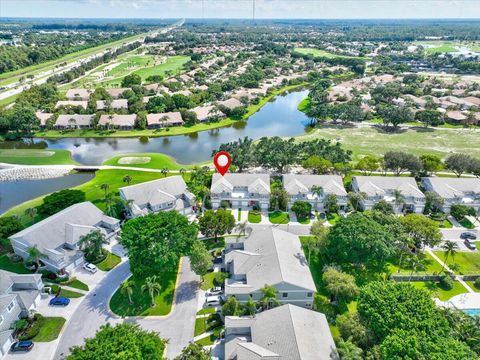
(213,279)
(254,216)
(40,328)
(15,267)
(279,217)
(109,262)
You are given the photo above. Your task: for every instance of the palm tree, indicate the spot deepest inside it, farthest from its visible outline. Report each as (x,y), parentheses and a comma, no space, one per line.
(450,248)
(152,287)
(31,212)
(92,244)
(127,179)
(127,288)
(110,208)
(414,264)
(269,297)
(317,190)
(34,255)
(105,187)
(242,228)
(183,171)
(164,171)
(250,308)
(399,198)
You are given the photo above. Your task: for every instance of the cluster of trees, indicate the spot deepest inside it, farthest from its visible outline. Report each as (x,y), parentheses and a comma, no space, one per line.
(277,153)
(58,201)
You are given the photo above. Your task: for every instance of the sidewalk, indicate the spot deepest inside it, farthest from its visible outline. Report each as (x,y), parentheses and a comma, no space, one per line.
(465,285)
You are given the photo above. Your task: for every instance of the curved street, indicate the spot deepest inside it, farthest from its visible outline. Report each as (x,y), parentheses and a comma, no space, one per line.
(93,311)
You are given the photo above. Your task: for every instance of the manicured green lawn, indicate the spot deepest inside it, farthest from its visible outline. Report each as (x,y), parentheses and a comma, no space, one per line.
(64,292)
(36,157)
(205,311)
(333,218)
(50,329)
(279,217)
(209,340)
(19,268)
(77,284)
(376,142)
(472,285)
(146,160)
(323,53)
(109,263)
(141,306)
(446,224)
(211,243)
(469,262)
(305,220)
(437,291)
(466,223)
(304,104)
(254,216)
(431,266)
(213,279)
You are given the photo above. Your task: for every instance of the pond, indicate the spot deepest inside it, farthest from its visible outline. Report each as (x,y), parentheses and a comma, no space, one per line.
(16,192)
(280,117)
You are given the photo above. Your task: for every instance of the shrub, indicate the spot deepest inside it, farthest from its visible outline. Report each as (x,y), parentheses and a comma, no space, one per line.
(460,211)
(446,282)
(21,324)
(476,283)
(59,200)
(32,331)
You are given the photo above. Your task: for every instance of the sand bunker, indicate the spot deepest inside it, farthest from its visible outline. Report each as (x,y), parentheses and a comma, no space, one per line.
(129,160)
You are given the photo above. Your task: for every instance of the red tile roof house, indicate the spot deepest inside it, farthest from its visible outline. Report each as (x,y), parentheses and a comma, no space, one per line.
(160,120)
(122,122)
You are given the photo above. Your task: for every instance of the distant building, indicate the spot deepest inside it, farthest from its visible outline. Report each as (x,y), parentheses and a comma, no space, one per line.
(461,191)
(78,94)
(401,192)
(116,92)
(268,256)
(164,119)
(205,113)
(57,236)
(116,104)
(43,117)
(241,190)
(301,188)
(166,194)
(230,104)
(72,103)
(73,121)
(287,332)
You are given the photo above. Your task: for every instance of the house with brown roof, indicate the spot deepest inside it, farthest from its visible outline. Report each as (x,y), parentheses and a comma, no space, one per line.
(230,104)
(78,94)
(73,121)
(116,104)
(71,103)
(205,113)
(164,119)
(116,93)
(123,122)
(43,117)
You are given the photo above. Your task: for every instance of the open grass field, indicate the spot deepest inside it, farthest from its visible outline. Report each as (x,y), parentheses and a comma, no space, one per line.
(147,160)
(322,53)
(437,291)
(36,157)
(119,303)
(468,262)
(18,267)
(130,63)
(373,141)
(92,190)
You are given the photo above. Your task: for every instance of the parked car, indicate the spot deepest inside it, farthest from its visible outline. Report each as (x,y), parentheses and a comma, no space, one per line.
(59,301)
(470,245)
(18,346)
(217,260)
(214,291)
(90,268)
(468,235)
(322,216)
(213,300)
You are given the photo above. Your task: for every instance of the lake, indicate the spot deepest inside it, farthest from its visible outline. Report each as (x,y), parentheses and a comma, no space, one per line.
(280,117)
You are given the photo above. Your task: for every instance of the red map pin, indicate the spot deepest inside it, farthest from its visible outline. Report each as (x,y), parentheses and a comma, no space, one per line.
(222,161)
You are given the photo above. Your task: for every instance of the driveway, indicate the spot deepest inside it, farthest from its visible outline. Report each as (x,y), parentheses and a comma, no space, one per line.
(454,233)
(93,312)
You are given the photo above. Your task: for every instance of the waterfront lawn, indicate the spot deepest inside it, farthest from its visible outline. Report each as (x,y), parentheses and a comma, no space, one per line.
(279,217)
(304,105)
(36,157)
(141,306)
(146,160)
(18,267)
(254,216)
(109,262)
(468,262)
(50,329)
(436,291)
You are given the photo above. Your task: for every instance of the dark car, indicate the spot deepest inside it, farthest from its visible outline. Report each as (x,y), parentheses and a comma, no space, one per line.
(470,245)
(217,260)
(59,301)
(468,235)
(25,345)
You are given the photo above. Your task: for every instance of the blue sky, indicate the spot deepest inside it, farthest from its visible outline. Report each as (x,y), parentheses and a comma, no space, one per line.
(321,9)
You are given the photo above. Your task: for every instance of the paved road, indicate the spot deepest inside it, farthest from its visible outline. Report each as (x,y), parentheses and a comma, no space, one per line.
(93,312)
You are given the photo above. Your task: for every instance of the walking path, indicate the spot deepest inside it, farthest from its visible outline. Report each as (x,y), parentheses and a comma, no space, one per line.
(460,280)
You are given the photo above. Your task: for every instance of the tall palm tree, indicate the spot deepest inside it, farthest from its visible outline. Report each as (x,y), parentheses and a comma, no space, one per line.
(127,288)
(34,255)
(317,190)
(183,171)
(92,244)
(110,207)
(31,212)
(152,287)
(164,171)
(127,179)
(105,187)
(242,228)
(450,248)
(250,308)
(399,198)
(269,297)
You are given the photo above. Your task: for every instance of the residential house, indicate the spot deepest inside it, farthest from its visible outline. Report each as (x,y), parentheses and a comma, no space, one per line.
(206,113)
(164,119)
(401,192)
(314,189)
(19,294)
(57,236)
(268,256)
(72,103)
(463,191)
(124,122)
(73,121)
(286,332)
(166,194)
(230,104)
(43,117)
(456,117)
(78,94)
(117,92)
(241,190)
(116,104)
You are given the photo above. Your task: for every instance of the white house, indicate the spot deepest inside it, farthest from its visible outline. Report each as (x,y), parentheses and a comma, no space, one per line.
(401,192)
(241,190)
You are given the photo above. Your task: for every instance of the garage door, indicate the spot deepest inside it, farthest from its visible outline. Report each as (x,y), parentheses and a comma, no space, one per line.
(7,345)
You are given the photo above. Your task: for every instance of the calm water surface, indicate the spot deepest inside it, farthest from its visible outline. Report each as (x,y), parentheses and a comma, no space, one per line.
(277,118)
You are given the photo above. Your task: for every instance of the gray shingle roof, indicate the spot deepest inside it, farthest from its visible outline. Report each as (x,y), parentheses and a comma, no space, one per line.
(453,187)
(118,120)
(292,332)
(381,185)
(331,184)
(256,183)
(79,120)
(270,256)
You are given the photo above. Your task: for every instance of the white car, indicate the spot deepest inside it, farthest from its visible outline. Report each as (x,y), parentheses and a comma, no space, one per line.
(90,268)
(213,300)
(214,291)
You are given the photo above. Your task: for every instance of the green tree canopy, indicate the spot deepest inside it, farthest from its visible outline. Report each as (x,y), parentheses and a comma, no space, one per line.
(60,200)
(215,223)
